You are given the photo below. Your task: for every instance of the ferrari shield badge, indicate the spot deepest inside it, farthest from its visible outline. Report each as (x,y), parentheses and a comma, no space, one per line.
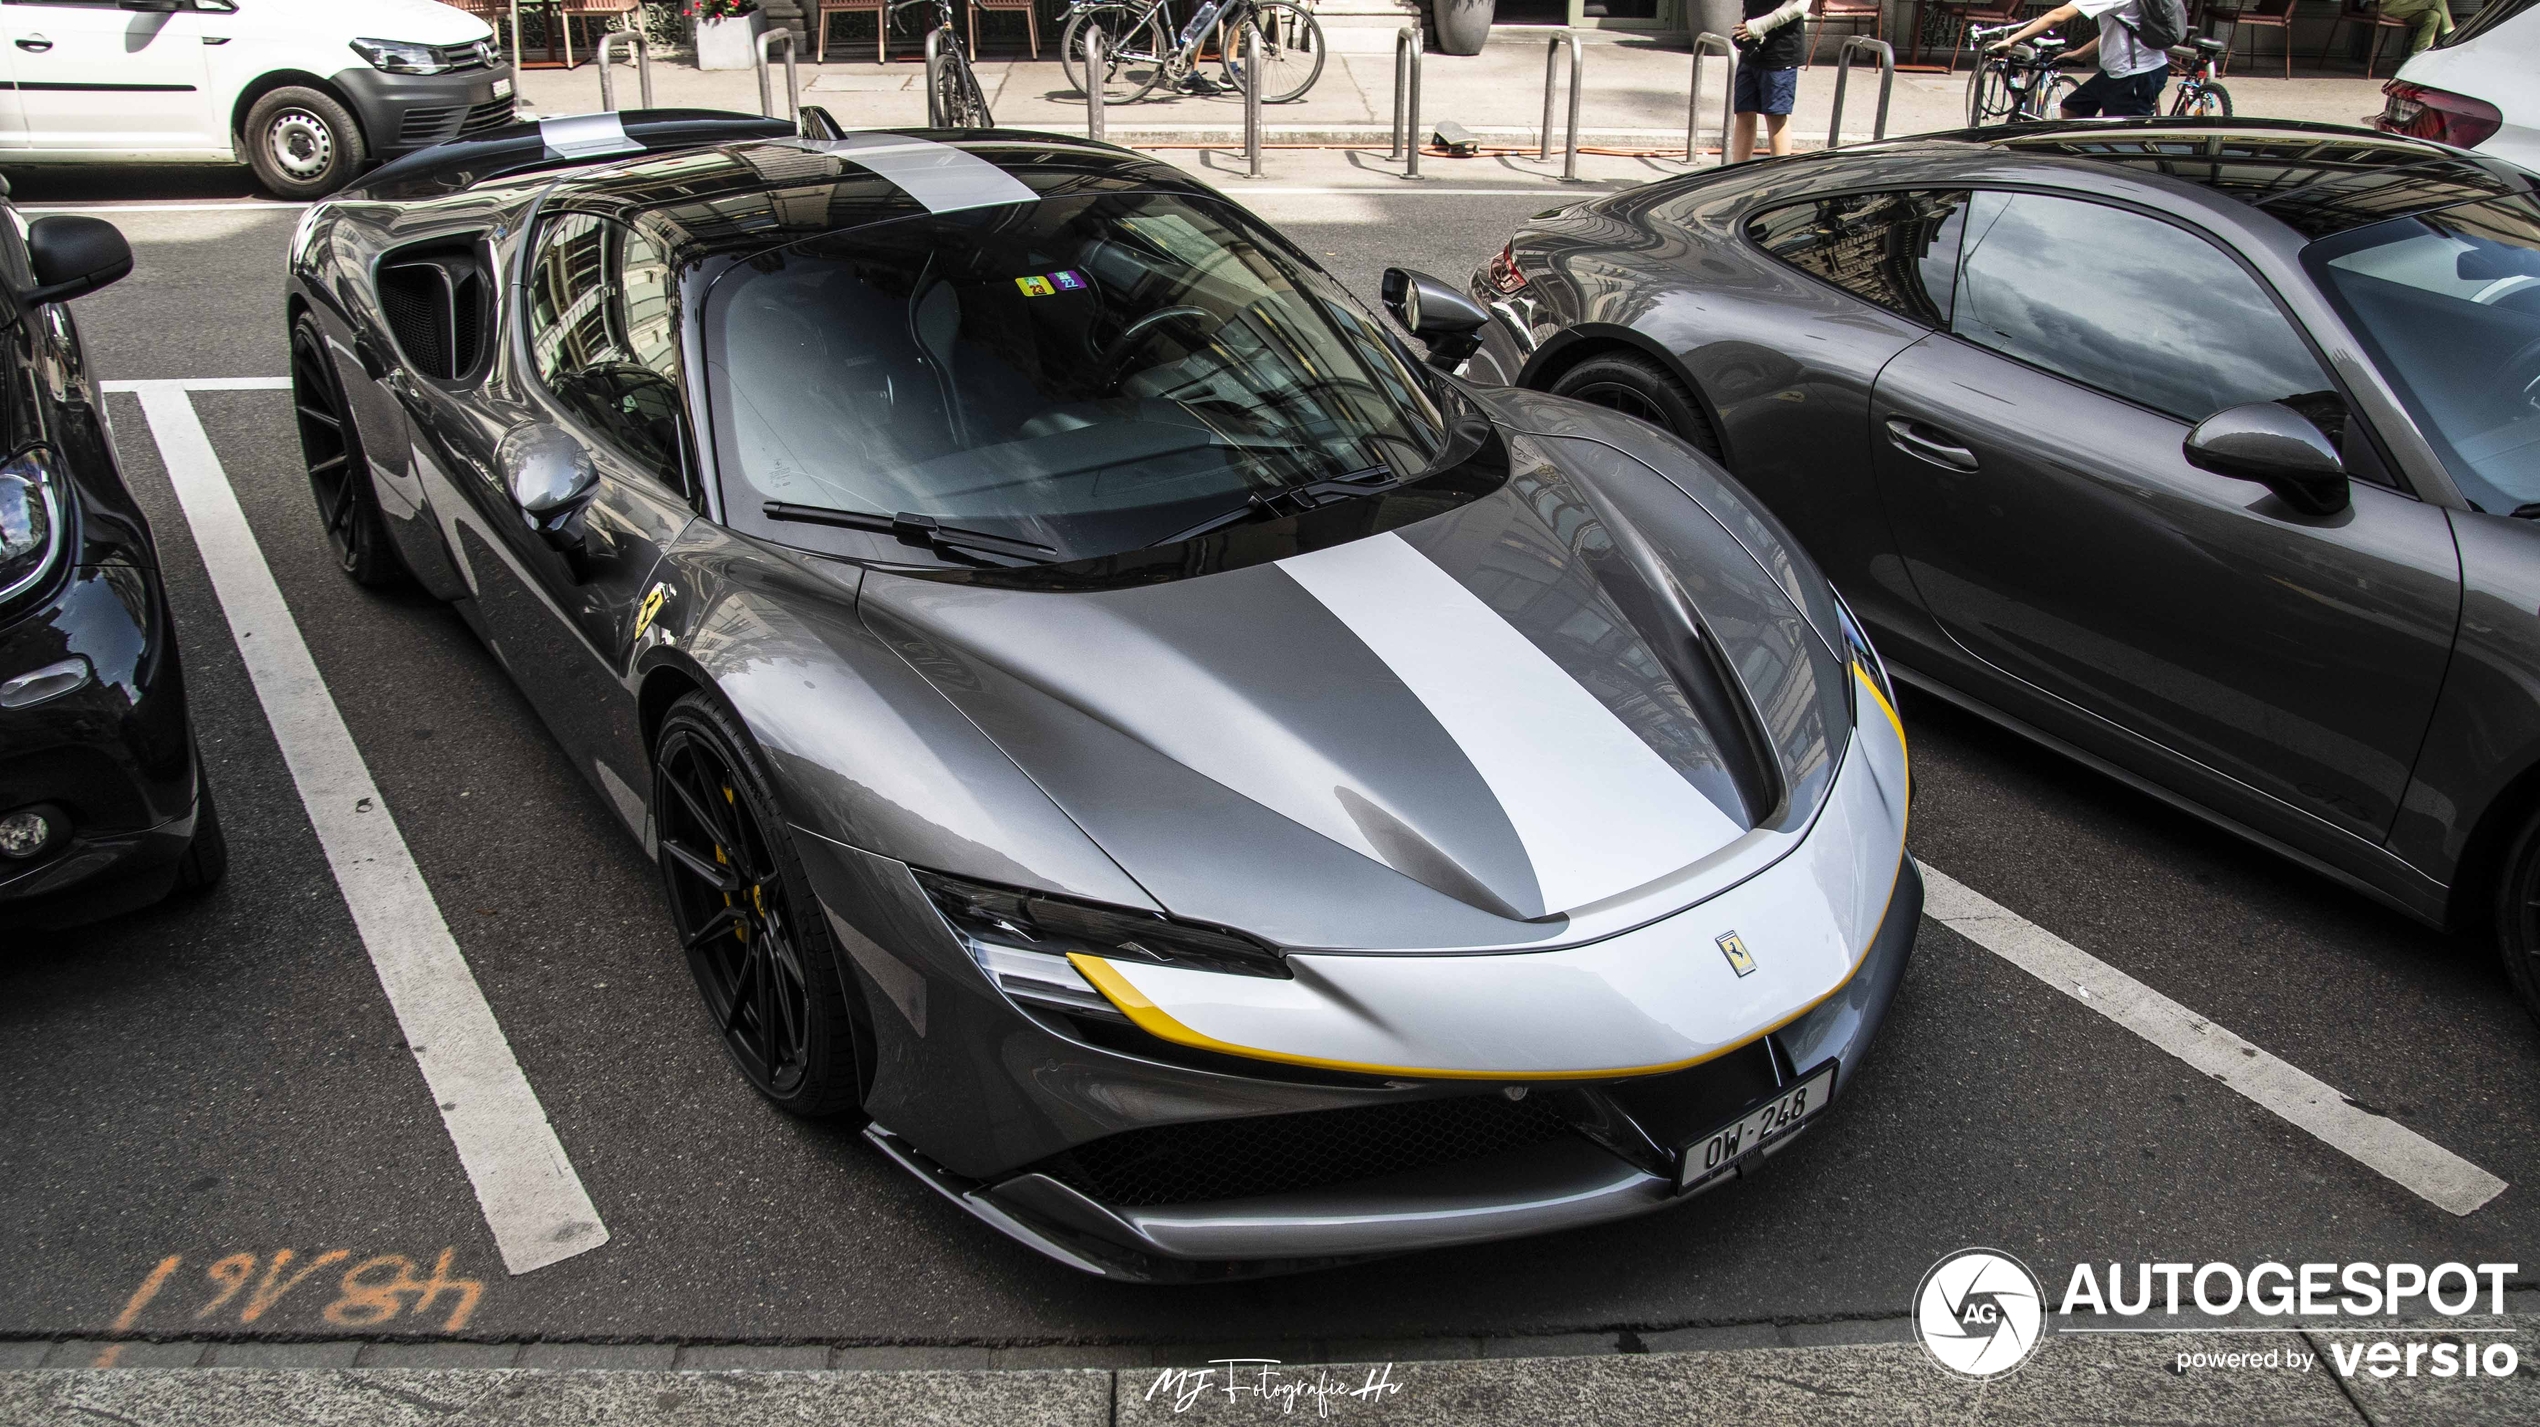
(1733,947)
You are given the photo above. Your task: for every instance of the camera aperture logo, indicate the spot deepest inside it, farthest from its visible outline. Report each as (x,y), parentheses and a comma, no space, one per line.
(1980,1312)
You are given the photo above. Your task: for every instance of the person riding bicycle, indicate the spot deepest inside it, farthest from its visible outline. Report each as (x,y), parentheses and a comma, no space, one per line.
(1770,43)
(2131,73)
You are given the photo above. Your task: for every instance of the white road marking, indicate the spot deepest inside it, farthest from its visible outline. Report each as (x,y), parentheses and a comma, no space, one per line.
(209,384)
(2414,1162)
(532,1199)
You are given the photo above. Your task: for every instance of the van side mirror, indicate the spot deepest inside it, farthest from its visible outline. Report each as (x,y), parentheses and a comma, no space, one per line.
(73,255)
(1446,320)
(2276,446)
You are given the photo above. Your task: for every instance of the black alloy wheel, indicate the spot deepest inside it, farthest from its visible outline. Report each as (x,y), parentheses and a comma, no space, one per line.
(2518,916)
(1639,388)
(766,966)
(339,474)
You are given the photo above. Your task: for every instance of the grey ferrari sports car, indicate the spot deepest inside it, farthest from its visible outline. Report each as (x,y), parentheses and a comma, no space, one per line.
(1212,791)
(2207,451)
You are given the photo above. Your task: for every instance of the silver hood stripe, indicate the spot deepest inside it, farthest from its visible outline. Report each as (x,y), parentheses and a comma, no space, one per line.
(586,136)
(941,177)
(1598,811)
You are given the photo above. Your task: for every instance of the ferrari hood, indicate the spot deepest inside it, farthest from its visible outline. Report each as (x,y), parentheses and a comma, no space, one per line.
(1458,731)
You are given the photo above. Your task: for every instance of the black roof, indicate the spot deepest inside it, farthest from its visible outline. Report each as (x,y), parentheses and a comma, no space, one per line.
(2318,178)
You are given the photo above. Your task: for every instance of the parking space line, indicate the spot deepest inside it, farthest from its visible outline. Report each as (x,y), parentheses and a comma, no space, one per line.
(531,1197)
(2414,1162)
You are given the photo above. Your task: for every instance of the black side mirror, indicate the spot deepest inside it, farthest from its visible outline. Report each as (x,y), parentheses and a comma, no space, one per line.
(1449,322)
(2276,446)
(550,477)
(73,255)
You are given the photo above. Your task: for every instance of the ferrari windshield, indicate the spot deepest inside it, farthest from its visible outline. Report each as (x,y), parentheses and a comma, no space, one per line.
(2448,303)
(1064,379)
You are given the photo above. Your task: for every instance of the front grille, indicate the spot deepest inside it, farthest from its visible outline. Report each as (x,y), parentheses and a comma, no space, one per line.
(430,126)
(475,54)
(492,114)
(1280,1154)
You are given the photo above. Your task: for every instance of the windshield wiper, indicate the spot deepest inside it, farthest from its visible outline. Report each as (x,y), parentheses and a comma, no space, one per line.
(923,530)
(1293,500)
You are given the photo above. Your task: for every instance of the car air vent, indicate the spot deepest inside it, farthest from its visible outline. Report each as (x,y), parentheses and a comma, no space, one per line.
(438,301)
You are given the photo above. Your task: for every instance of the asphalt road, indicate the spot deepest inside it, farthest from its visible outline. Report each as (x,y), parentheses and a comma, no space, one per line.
(223,1077)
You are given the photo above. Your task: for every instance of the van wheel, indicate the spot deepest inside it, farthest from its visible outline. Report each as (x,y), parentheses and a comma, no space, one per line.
(1639,387)
(301,143)
(2518,916)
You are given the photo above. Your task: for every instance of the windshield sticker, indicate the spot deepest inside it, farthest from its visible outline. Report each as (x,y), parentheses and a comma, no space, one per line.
(1039,285)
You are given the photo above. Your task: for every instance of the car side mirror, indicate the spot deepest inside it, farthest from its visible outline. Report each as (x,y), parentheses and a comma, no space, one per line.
(2276,446)
(72,255)
(1447,321)
(550,477)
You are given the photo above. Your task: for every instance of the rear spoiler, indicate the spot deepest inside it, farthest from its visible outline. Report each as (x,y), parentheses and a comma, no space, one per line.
(575,139)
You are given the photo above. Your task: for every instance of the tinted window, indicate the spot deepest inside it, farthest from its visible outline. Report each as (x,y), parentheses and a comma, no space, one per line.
(2448,306)
(1090,374)
(606,339)
(2136,307)
(1898,250)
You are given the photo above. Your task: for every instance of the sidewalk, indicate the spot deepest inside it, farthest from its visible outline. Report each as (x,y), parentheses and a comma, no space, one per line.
(1635,96)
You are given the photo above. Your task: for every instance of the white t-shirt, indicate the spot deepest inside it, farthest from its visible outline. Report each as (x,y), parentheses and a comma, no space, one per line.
(2120,53)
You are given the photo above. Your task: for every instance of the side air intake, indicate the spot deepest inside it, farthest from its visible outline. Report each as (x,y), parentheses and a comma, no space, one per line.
(437,302)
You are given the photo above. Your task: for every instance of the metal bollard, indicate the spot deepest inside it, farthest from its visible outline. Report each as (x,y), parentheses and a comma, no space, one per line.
(1709,43)
(1408,44)
(643,68)
(793,89)
(1252,100)
(1551,59)
(1886,53)
(1094,47)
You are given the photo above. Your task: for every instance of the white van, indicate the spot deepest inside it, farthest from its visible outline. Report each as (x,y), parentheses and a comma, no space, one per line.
(2478,87)
(308,92)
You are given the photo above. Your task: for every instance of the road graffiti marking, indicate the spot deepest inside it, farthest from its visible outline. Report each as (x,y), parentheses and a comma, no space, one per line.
(112,1353)
(2379,1143)
(532,1200)
(367,1295)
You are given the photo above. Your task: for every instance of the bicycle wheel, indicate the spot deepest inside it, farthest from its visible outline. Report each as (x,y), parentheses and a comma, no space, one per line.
(1291,51)
(2048,99)
(958,96)
(2211,102)
(1989,96)
(1135,48)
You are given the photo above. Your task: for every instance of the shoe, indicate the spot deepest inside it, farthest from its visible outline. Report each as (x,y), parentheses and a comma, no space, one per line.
(1200,84)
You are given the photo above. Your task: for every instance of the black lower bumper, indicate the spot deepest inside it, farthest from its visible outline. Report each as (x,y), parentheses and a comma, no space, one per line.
(1613,1160)
(400,113)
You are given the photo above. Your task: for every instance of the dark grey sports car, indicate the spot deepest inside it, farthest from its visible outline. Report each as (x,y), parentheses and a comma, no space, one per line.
(2208,452)
(1213,789)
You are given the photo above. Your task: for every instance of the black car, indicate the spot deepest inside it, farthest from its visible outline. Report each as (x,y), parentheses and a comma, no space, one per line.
(103,806)
(2207,452)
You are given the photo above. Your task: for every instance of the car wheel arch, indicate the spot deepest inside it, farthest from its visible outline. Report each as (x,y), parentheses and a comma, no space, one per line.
(1588,340)
(272,80)
(2470,902)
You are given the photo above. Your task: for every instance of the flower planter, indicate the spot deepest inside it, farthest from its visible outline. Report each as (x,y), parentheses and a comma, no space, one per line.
(730,43)
(1463,25)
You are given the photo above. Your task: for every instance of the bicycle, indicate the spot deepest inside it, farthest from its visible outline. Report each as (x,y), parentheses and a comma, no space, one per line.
(1139,53)
(957,101)
(2199,97)
(2020,83)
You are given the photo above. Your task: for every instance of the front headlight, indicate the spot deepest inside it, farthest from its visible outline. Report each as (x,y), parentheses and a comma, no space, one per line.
(1056,926)
(400,57)
(1862,654)
(31,534)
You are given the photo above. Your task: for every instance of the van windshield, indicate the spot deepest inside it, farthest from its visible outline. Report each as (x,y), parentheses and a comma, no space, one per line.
(1074,377)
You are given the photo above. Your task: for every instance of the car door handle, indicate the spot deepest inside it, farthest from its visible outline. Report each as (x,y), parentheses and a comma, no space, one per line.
(35,44)
(1906,438)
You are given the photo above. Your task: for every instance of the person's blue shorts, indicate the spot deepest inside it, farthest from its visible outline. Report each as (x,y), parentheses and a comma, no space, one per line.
(2134,95)
(1765,91)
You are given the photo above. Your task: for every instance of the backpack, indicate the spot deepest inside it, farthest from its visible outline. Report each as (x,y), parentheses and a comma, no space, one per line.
(2160,24)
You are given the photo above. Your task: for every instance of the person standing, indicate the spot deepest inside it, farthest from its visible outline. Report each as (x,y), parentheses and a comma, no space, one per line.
(2131,73)
(1769,44)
